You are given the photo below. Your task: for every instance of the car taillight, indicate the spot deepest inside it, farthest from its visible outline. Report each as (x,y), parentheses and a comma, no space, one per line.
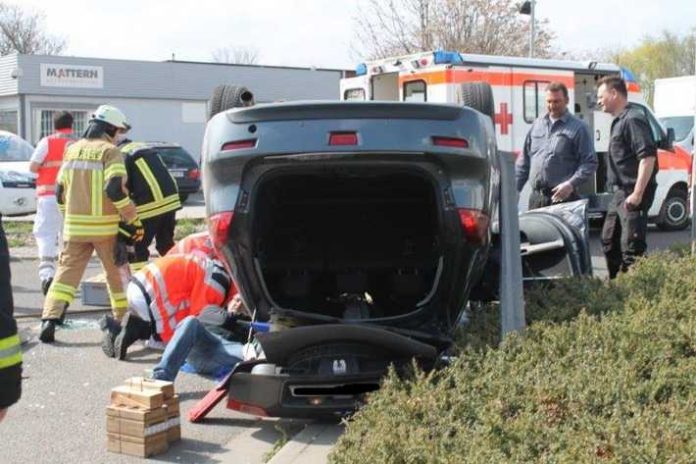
(246,408)
(450,142)
(219,228)
(474,224)
(239,144)
(343,138)
(194,174)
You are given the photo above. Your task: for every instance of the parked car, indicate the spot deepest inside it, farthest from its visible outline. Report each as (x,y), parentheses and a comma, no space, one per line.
(17,183)
(357,231)
(181,165)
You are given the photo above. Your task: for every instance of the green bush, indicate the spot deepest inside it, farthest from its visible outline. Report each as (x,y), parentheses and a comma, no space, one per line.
(604,373)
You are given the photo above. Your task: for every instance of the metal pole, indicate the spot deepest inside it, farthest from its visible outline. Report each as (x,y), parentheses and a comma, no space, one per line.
(531,30)
(511,291)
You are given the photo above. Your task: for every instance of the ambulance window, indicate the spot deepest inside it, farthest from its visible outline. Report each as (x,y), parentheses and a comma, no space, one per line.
(354,94)
(415,91)
(534,99)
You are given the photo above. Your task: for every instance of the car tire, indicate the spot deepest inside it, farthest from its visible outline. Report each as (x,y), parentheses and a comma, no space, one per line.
(183,197)
(479,96)
(229,96)
(674,213)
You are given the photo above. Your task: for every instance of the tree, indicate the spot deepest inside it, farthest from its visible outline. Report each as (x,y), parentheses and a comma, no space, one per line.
(236,55)
(492,27)
(668,55)
(22,32)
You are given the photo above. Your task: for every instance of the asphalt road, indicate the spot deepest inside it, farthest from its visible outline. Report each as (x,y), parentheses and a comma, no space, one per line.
(61,417)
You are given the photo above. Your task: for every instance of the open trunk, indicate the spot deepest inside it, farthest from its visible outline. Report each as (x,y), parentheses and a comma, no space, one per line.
(351,243)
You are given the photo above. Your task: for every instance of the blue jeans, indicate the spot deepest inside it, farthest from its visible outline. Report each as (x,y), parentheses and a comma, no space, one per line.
(205,351)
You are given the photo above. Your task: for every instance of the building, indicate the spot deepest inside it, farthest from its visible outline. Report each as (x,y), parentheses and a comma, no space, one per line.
(164,101)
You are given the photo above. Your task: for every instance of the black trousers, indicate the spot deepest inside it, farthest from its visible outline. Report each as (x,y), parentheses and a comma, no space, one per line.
(159,228)
(6,301)
(540,198)
(624,231)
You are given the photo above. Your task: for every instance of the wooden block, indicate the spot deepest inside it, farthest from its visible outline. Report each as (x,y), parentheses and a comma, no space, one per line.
(174,433)
(172,405)
(134,446)
(146,416)
(132,428)
(127,396)
(141,383)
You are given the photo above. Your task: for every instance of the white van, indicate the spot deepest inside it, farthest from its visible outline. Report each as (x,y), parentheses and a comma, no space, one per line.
(17,183)
(675,106)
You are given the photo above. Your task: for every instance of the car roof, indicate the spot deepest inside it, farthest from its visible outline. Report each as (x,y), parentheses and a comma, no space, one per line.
(155,144)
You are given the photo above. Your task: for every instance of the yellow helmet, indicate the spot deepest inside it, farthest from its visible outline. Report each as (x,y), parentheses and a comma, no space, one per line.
(111,115)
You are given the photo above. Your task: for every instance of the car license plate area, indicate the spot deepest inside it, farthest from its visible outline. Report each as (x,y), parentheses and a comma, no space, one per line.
(179,174)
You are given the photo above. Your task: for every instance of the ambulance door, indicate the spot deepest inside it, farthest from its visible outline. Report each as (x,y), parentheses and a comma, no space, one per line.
(355,88)
(385,87)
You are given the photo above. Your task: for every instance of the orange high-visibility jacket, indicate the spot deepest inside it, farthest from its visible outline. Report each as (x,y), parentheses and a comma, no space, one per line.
(198,243)
(180,286)
(48,171)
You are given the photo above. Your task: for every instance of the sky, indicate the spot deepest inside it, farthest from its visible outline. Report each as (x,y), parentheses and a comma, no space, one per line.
(307,33)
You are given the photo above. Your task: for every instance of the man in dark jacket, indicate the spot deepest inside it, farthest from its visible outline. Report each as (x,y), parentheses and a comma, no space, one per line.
(10,350)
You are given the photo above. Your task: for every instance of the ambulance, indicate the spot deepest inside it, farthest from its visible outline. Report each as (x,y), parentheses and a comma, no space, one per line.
(518,99)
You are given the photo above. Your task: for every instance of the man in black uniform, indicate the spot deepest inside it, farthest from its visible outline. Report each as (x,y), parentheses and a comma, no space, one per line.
(10,350)
(154,192)
(632,169)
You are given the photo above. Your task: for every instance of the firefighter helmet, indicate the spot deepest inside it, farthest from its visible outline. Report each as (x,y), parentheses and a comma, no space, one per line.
(111,115)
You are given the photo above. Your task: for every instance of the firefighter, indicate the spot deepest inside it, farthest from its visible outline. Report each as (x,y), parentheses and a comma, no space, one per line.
(162,294)
(91,190)
(45,162)
(156,196)
(10,349)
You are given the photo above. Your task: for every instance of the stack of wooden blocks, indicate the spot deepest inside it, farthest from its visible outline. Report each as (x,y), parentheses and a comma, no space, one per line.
(143,418)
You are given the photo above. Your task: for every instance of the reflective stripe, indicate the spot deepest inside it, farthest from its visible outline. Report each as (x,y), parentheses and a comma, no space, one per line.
(118,300)
(150,179)
(10,351)
(168,204)
(61,292)
(120,204)
(83,165)
(52,164)
(96,199)
(88,219)
(115,169)
(137,266)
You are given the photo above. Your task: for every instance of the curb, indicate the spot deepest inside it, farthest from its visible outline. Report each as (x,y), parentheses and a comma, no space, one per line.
(311,446)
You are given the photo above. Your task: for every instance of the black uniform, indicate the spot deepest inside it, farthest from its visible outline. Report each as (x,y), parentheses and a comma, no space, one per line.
(156,196)
(624,231)
(10,350)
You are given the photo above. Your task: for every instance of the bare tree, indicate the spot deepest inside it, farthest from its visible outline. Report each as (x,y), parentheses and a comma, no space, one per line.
(493,27)
(236,55)
(22,32)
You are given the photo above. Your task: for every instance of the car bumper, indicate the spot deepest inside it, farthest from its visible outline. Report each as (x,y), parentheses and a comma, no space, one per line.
(17,201)
(188,186)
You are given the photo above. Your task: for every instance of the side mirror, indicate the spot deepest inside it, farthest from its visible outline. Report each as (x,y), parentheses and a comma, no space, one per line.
(669,141)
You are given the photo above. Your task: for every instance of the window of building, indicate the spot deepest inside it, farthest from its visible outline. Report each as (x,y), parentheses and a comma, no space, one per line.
(534,99)
(415,91)
(46,122)
(8,121)
(354,94)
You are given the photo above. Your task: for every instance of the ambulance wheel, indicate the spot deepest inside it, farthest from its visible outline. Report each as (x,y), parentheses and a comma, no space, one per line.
(674,214)
(479,96)
(229,96)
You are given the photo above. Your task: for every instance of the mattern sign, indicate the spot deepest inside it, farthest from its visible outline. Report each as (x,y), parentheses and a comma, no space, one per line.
(60,75)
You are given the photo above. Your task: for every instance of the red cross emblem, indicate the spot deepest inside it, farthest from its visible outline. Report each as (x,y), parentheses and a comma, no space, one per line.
(503,118)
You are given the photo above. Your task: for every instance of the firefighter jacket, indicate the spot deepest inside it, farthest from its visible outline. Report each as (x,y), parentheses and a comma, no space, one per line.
(181,286)
(53,147)
(88,167)
(152,188)
(198,243)
(10,350)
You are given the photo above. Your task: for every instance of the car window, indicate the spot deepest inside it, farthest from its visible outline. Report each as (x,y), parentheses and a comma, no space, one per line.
(681,124)
(14,148)
(175,157)
(657,130)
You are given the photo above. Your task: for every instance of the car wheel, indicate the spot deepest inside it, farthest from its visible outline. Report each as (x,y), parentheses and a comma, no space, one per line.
(229,96)
(479,96)
(674,214)
(183,197)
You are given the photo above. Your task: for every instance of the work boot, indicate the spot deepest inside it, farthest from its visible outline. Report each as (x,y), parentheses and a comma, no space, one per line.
(45,285)
(48,331)
(132,329)
(111,328)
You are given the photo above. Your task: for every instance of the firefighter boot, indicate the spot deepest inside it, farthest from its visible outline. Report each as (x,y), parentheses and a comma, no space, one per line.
(110,328)
(133,328)
(48,331)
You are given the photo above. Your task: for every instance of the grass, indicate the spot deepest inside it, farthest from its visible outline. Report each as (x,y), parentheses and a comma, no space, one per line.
(186,227)
(605,372)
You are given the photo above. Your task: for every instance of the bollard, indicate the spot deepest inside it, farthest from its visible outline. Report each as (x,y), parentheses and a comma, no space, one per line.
(512,316)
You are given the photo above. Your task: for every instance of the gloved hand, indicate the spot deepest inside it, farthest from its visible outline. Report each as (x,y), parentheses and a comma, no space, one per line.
(138,232)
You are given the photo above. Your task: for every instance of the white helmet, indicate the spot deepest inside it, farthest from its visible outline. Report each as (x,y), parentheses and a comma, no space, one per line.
(111,115)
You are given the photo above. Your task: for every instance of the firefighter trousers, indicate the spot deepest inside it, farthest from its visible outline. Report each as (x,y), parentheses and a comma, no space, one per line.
(71,266)
(48,228)
(158,228)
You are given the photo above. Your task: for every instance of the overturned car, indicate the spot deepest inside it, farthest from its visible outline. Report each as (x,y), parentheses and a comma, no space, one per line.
(358,231)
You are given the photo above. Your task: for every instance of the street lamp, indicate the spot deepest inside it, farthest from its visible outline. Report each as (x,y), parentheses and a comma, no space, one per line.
(527,8)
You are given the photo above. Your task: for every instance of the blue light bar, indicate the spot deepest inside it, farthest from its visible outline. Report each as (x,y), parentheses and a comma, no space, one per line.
(627,75)
(443,57)
(361,69)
